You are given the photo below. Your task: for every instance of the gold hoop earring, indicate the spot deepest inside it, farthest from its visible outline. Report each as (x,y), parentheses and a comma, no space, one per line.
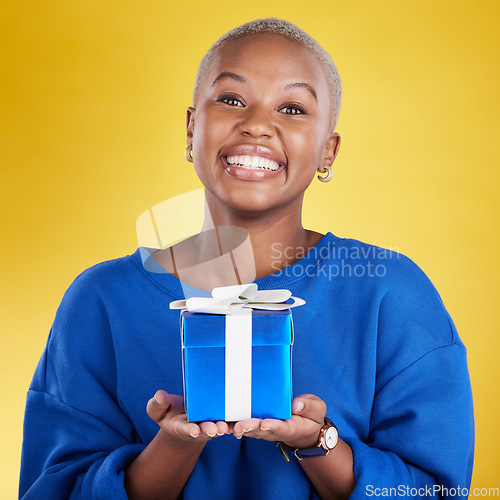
(328,176)
(188,153)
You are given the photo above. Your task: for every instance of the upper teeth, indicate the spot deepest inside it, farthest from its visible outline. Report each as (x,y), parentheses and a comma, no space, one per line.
(252,162)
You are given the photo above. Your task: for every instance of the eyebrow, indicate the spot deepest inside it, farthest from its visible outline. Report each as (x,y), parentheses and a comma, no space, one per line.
(239,78)
(304,85)
(228,74)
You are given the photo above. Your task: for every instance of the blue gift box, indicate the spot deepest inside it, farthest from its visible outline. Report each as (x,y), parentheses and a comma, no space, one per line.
(228,381)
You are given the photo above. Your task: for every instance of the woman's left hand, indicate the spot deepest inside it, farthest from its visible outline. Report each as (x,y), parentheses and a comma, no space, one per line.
(300,431)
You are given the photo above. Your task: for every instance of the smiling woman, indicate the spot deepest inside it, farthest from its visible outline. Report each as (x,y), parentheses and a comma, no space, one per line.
(253,124)
(374,349)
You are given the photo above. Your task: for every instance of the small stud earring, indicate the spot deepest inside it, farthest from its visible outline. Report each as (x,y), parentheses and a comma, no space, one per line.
(328,176)
(188,153)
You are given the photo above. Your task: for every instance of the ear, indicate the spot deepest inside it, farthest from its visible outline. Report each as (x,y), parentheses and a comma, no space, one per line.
(331,149)
(190,123)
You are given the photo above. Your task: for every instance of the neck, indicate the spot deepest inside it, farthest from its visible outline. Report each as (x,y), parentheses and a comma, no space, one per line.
(277,238)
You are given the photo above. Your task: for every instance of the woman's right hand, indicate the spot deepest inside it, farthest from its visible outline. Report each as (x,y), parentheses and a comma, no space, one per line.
(167,410)
(164,466)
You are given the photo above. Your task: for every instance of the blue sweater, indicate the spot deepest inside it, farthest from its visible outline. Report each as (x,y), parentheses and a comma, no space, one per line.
(374,342)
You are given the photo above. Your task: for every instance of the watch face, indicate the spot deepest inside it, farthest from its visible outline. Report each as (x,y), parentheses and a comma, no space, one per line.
(331,437)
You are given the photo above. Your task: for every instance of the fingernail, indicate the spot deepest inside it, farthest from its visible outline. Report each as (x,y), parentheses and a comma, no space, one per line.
(158,400)
(239,436)
(193,435)
(264,428)
(248,430)
(221,433)
(298,406)
(211,435)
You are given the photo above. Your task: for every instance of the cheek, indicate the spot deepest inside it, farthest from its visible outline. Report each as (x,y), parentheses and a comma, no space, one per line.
(307,146)
(201,136)
(209,133)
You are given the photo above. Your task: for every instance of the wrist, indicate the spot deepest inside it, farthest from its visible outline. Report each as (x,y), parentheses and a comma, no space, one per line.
(327,440)
(306,442)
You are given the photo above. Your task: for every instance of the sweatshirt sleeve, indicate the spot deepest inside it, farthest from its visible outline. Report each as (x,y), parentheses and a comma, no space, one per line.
(421,433)
(77,440)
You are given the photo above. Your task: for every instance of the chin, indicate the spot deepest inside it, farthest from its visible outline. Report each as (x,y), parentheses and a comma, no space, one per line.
(251,202)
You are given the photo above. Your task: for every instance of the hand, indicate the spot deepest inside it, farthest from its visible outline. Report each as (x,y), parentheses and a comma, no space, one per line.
(168,411)
(300,431)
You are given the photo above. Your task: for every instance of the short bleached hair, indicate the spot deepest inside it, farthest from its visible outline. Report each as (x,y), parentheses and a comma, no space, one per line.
(272,25)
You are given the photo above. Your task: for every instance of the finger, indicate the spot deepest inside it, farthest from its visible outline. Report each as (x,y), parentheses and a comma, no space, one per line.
(258,433)
(309,406)
(158,406)
(182,428)
(222,428)
(277,427)
(209,428)
(268,424)
(299,430)
(246,426)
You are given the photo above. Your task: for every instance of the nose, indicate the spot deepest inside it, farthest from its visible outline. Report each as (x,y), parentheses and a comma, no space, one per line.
(257,123)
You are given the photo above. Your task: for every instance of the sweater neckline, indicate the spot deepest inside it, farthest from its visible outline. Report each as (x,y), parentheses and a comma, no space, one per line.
(297,271)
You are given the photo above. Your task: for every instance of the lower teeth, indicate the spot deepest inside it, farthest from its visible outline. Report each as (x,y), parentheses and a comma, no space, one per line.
(251,168)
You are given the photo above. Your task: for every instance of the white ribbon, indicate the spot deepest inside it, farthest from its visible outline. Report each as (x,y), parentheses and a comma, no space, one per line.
(238,369)
(231,299)
(236,303)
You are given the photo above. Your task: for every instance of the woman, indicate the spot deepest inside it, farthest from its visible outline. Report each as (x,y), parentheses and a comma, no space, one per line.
(374,351)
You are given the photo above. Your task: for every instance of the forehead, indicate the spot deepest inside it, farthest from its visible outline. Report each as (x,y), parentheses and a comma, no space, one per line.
(271,57)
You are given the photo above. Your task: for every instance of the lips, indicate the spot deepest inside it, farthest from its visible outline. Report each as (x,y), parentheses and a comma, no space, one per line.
(250,162)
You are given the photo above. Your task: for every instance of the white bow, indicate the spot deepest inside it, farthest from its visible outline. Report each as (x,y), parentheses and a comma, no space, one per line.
(231,299)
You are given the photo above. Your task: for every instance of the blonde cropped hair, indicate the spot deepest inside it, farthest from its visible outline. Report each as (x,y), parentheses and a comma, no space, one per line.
(284,28)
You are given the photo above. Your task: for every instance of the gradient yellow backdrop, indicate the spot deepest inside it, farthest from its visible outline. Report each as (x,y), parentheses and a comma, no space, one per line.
(93,97)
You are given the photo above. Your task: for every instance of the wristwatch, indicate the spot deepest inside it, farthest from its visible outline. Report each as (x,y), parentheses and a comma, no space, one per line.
(328,439)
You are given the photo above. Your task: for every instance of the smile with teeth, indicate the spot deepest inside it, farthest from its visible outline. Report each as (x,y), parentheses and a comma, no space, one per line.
(252,162)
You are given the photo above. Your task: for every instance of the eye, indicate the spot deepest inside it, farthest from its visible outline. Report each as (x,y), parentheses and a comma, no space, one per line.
(231,101)
(292,110)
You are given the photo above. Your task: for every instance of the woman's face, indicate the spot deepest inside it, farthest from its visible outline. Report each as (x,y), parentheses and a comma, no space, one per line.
(261,126)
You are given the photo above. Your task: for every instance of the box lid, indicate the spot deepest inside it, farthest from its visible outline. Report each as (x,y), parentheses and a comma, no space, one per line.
(209,330)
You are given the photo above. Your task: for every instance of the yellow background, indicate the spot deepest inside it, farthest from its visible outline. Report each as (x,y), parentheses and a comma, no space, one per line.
(93,98)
